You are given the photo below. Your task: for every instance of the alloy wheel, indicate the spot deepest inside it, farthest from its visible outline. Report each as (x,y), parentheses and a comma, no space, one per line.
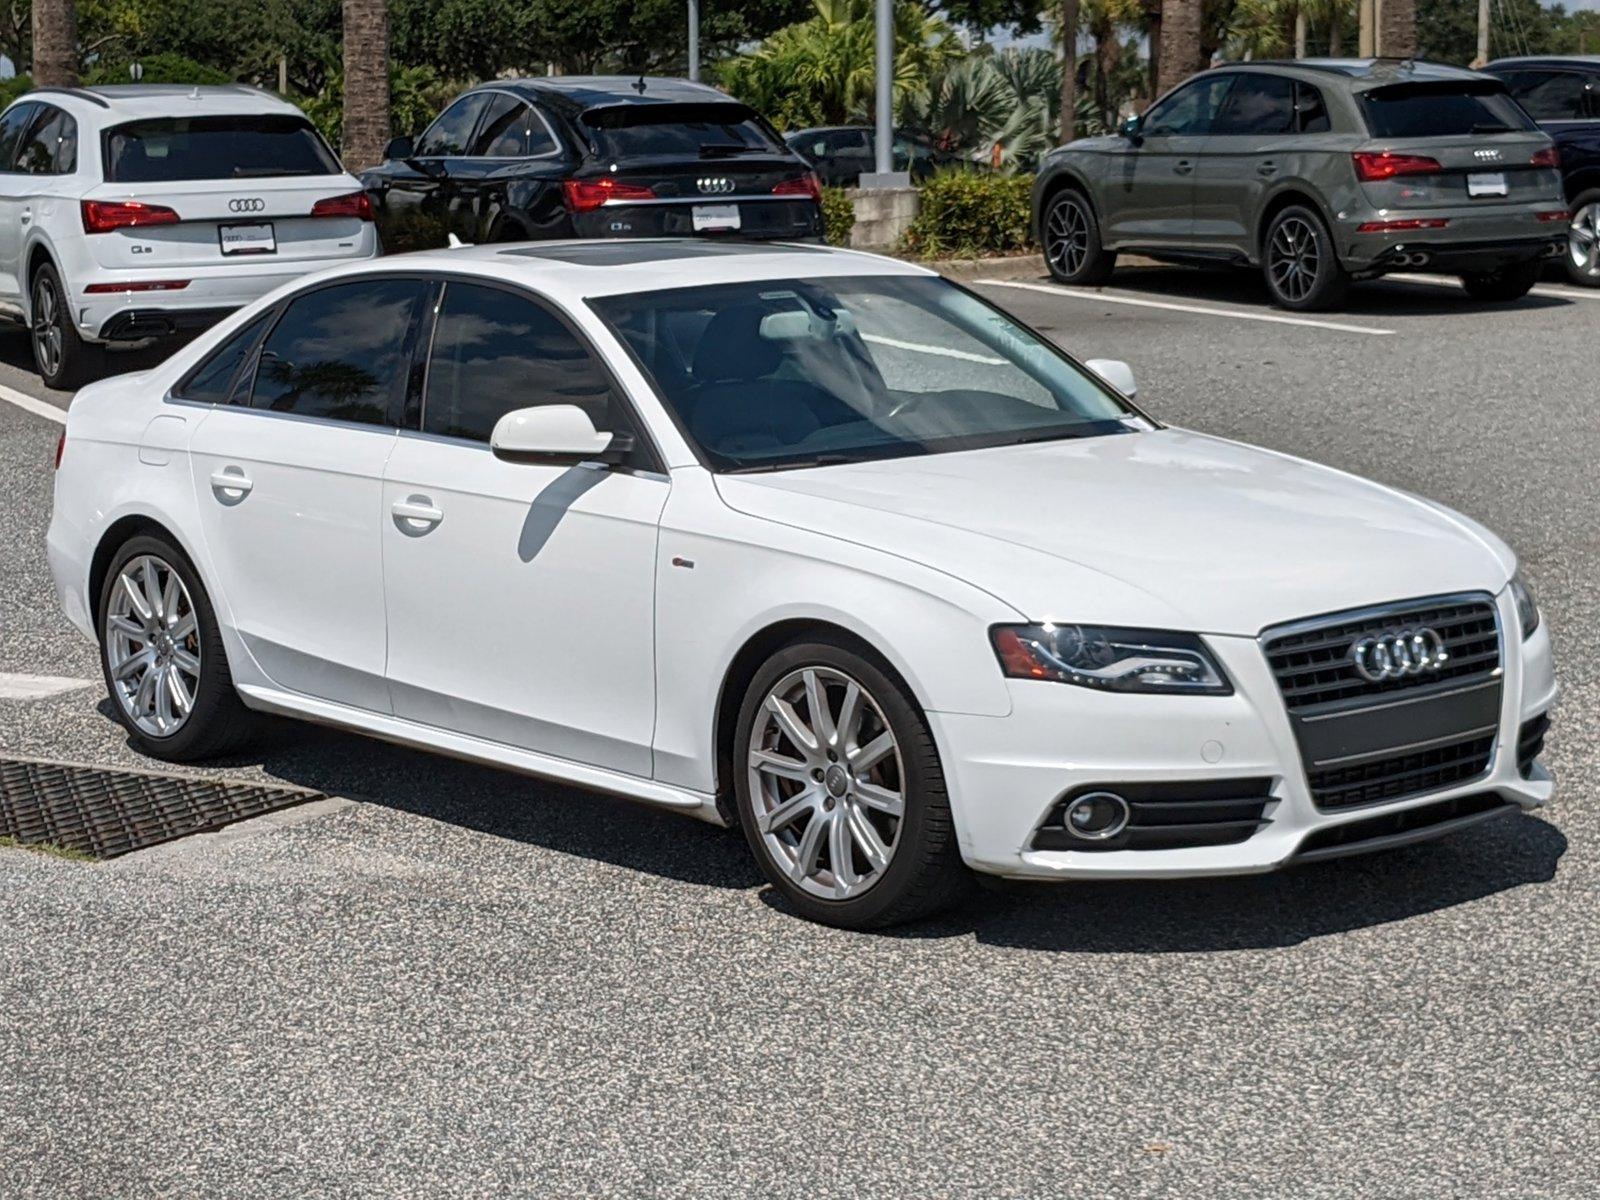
(48,335)
(152,646)
(1066,236)
(1293,259)
(827,783)
(1583,240)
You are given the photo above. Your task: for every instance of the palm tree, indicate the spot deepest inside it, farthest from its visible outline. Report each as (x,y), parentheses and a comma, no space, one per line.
(55,43)
(1397,34)
(366,82)
(1069,68)
(1180,42)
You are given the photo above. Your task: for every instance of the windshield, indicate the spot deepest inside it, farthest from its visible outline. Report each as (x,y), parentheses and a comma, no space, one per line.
(167,149)
(1447,109)
(678,131)
(787,373)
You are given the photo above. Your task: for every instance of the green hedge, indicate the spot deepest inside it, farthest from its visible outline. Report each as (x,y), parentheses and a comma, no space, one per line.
(838,216)
(967,214)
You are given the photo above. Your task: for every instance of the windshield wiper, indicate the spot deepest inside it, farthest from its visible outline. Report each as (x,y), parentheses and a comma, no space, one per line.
(1486,128)
(789,464)
(728,150)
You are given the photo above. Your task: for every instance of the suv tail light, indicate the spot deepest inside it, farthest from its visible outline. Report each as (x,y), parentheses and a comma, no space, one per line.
(61,448)
(582,195)
(351,204)
(1385,164)
(102,216)
(1548,157)
(801,185)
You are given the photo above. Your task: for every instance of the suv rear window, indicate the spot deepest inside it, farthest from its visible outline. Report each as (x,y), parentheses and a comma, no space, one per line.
(168,149)
(679,130)
(1443,109)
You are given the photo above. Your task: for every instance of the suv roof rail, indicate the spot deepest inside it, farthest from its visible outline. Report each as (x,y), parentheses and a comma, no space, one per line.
(80,93)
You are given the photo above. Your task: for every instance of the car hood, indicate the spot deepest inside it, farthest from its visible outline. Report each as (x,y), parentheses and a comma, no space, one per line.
(1164,529)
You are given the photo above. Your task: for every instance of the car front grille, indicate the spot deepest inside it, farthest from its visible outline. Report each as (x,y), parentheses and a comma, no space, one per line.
(1366,742)
(1169,816)
(1530,742)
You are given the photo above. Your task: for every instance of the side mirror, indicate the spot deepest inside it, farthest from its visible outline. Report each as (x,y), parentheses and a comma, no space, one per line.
(400,149)
(1115,372)
(555,434)
(1130,129)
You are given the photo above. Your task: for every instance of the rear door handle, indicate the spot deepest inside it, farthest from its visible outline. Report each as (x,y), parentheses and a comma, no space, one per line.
(231,480)
(1183,167)
(27,215)
(416,513)
(1266,168)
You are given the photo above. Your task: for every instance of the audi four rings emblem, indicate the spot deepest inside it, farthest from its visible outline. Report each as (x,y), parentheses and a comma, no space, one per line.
(252,204)
(715,185)
(1486,154)
(1391,655)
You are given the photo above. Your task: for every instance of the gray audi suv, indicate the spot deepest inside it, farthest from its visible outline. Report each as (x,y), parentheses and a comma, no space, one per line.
(1319,172)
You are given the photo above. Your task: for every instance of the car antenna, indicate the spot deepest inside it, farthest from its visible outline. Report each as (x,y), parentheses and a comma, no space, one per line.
(452,242)
(639,86)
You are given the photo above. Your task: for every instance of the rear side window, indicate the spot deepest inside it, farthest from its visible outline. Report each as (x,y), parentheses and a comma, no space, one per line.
(212,382)
(1553,96)
(512,129)
(51,145)
(1259,104)
(1311,114)
(1442,109)
(678,131)
(340,352)
(494,352)
(12,126)
(170,149)
(450,135)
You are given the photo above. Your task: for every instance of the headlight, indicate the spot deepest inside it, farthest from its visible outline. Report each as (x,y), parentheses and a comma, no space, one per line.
(1527,608)
(1113,660)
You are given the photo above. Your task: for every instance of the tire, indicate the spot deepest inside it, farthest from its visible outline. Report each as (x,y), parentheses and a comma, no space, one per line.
(1299,263)
(923,872)
(1070,235)
(63,359)
(1583,240)
(1506,284)
(217,722)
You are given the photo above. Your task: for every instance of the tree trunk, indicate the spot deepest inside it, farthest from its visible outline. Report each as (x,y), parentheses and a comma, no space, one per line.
(1153,34)
(55,43)
(1335,40)
(366,83)
(1180,42)
(1397,29)
(1069,69)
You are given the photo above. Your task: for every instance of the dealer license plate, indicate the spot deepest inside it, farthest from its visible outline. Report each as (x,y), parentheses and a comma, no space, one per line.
(1487,184)
(248,239)
(716,216)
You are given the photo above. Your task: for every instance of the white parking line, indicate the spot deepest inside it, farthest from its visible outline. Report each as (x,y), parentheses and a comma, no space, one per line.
(1202,310)
(37,687)
(942,351)
(39,408)
(1539,289)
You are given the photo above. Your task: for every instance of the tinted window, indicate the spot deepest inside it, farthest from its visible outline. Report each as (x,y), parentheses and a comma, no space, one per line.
(234,147)
(677,130)
(451,134)
(212,381)
(1311,114)
(51,145)
(339,352)
(1553,96)
(1444,109)
(12,126)
(493,352)
(1260,104)
(512,129)
(1188,111)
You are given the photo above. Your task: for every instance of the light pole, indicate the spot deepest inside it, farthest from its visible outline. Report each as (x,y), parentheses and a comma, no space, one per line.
(694,41)
(885,176)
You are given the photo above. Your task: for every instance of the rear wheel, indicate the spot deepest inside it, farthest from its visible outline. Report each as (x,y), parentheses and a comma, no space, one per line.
(63,359)
(1583,240)
(1072,248)
(1508,283)
(1298,261)
(841,795)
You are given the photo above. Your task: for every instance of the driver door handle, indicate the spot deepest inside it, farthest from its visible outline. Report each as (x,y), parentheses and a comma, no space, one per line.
(417,510)
(1183,166)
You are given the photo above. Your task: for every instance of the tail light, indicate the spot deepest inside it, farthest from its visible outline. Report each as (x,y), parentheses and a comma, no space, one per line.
(351,204)
(103,216)
(1548,157)
(139,285)
(1554,214)
(61,448)
(1406,225)
(582,195)
(1385,164)
(801,185)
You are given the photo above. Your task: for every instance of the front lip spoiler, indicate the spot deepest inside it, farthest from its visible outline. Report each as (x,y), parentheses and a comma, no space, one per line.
(1409,838)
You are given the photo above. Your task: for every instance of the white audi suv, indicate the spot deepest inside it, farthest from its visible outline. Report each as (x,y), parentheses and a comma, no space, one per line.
(803,540)
(135,212)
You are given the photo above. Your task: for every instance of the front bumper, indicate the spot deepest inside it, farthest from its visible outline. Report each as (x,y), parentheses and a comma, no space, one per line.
(1006,774)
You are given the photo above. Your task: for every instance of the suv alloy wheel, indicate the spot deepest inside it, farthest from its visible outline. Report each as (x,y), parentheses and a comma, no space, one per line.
(1298,260)
(1071,238)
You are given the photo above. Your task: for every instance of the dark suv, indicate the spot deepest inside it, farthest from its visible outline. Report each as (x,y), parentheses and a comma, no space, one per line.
(570,156)
(1319,172)
(841,153)
(1563,95)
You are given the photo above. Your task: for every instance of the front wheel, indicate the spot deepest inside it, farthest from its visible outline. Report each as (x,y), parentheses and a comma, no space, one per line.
(1508,283)
(1072,248)
(841,795)
(1583,240)
(1302,271)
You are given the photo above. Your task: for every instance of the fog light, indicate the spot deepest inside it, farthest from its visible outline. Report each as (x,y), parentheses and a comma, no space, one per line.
(1095,816)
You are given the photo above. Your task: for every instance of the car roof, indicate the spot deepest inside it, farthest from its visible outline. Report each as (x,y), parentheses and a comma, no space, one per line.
(121,101)
(1363,74)
(571,271)
(1547,60)
(581,92)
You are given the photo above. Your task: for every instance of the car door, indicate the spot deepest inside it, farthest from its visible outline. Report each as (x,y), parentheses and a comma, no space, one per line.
(508,186)
(414,197)
(520,597)
(1251,147)
(1149,193)
(289,485)
(14,188)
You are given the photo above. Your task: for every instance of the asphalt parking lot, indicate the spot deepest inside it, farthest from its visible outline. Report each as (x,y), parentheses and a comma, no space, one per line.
(448,980)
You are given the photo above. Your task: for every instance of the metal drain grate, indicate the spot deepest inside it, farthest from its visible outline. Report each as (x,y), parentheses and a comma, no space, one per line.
(106,813)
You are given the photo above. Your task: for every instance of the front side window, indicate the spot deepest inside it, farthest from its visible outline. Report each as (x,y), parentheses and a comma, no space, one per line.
(512,129)
(678,131)
(340,352)
(12,126)
(1190,111)
(174,149)
(493,352)
(212,382)
(1445,108)
(51,145)
(798,372)
(451,135)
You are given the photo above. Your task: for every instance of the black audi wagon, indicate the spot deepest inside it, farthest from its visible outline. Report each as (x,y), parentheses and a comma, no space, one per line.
(588,156)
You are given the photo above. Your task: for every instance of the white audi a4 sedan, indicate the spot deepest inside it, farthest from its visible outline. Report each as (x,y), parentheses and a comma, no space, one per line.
(803,540)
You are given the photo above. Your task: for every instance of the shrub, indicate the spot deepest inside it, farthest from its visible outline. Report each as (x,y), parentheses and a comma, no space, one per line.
(838,216)
(165,67)
(966,214)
